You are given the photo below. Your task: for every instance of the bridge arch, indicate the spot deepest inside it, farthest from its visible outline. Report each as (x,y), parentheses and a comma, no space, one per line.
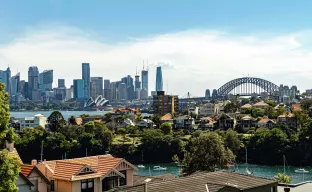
(247,86)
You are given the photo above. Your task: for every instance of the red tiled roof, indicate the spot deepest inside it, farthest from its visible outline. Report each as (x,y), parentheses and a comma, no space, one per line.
(26,169)
(246,106)
(260,104)
(265,120)
(66,170)
(166,117)
(296,107)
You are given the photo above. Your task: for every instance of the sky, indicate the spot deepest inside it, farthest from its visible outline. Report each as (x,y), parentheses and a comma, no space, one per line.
(200,44)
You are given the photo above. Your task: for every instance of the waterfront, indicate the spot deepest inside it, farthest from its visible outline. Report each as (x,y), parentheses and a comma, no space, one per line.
(258,170)
(66,114)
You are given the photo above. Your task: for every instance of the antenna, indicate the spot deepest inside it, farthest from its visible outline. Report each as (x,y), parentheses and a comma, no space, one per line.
(147,66)
(41,155)
(86,152)
(65,155)
(143,65)
(136,70)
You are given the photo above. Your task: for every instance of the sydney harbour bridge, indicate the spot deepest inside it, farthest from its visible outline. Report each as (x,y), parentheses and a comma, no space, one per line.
(245,86)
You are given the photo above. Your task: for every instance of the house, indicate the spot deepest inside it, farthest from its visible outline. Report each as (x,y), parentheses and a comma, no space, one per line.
(138,179)
(23,184)
(246,123)
(167,118)
(225,122)
(220,181)
(126,123)
(245,107)
(288,119)
(127,111)
(94,173)
(87,119)
(184,121)
(193,111)
(267,123)
(39,181)
(37,120)
(207,123)
(146,123)
(260,105)
(208,109)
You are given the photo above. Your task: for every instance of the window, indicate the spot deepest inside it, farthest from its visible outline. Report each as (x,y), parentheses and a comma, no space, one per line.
(109,183)
(123,181)
(52,185)
(87,185)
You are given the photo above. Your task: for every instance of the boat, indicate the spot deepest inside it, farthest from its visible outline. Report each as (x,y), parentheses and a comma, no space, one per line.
(301,171)
(159,168)
(141,166)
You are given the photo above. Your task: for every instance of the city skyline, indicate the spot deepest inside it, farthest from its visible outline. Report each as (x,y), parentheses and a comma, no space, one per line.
(202,50)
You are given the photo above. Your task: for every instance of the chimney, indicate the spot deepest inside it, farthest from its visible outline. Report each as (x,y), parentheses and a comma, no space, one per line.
(34,162)
(145,187)
(9,146)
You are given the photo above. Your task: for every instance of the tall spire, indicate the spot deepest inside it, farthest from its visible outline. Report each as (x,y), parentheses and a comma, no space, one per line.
(143,65)
(147,66)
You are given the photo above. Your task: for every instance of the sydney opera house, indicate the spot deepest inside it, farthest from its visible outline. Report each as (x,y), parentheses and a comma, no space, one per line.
(98,102)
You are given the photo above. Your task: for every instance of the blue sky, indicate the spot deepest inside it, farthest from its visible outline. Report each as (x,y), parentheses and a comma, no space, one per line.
(182,35)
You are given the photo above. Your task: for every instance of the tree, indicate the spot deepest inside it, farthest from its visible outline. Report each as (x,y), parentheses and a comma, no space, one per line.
(123,132)
(156,119)
(139,117)
(9,166)
(283,178)
(166,128)
(206,153)
(131,129)
(257,113)
(56,121)
(72,120)
(89,127)
(9,170)
(231,140)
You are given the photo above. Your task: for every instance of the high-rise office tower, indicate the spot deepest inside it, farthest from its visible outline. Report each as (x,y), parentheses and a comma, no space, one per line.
(113,91)
(79,89)
(207,94)
(137,84)
(86,79)
(144,77)
(15,84)
(5,77)
(129,85)
(159,80)
(122,91)
(23,90)
(61,83)
(96,87)
(46,80)
(33,80)
(107,91)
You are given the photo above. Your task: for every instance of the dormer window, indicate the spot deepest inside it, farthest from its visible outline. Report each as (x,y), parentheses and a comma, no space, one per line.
(86,170)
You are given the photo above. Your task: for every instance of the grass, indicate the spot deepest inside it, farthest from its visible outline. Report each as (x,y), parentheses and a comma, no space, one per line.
(118,140)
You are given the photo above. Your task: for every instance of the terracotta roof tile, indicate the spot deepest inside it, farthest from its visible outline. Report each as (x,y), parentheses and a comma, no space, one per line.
(26,169)
(296,107)
(260,104)
(246,106)
(166,117)
(14,153)
(289,115)
(66,170)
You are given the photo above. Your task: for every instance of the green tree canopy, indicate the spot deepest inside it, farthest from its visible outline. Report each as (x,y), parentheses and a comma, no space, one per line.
(206,153)
(9,166)
(89,127)
(231,140)
(56,121)
(72,120)
(283,178)
(166,128)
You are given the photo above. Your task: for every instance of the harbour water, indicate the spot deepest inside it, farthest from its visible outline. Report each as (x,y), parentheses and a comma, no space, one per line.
(66,114)
(257,170)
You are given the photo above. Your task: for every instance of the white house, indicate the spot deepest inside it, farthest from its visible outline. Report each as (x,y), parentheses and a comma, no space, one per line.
(145,123)
(37,120)
(208,109)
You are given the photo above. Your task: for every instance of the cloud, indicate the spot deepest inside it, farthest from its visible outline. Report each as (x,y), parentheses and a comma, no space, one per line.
(192,61)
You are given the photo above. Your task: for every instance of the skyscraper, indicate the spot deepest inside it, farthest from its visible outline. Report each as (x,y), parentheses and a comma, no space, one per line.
(5,77)
(96,86)
(113,91)
(46,80)
(33,80)
(79,89)
(122,91)
(137,83)
(129,86)
(61,83)
(107,92)
(145,79)
(15,84)
(159,80)
(86,79)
